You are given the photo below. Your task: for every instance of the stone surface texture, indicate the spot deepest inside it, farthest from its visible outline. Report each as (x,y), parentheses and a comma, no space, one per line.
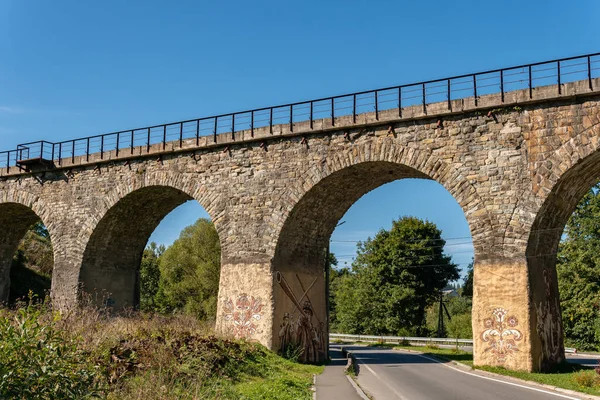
(275,199)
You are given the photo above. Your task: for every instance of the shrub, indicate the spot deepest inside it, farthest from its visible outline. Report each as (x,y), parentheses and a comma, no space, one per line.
(586,379)
(38,362)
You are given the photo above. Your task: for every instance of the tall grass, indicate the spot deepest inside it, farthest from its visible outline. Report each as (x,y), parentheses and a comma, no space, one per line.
(92,353)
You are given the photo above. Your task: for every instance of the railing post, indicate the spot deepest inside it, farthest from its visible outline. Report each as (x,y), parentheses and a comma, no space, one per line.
(252,123)
(475,88)
(332,111)
(87,151)
(292,118)
(52,155)
(502,84)
(132,141)
(449,101)
(311,115)
(101,147)
(117,149)
(589,63)
(164,141)
(271,120)
(424,100)
(232,126)
(197,132)
(181,135)
(530,84)
(73,151)
(215,130)
(376,107)
(400,101)
(60,154)
(42,150)
(354,108)
(558,76)
(148,142)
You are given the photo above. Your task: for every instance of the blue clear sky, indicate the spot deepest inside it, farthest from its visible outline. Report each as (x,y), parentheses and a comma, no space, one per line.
(75,68)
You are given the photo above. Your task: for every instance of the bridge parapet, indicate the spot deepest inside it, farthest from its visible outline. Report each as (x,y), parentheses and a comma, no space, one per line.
(483,91)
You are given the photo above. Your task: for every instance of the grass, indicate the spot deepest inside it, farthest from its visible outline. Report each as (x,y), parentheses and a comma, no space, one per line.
(141,356)
(566,375)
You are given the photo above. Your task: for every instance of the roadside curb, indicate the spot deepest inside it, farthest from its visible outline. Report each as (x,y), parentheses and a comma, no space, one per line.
(472,370)
(352,367)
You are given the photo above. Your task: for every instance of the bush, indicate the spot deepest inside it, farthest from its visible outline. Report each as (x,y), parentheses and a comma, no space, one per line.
(586,379)
(38,362)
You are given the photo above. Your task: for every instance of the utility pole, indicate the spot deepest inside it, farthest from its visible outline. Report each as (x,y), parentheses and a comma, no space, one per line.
(442,309)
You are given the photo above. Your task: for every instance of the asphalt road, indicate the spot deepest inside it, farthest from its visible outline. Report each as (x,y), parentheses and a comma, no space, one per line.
(391,374)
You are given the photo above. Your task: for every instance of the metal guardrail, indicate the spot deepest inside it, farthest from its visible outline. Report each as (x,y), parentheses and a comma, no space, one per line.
(497,81)
(418,341)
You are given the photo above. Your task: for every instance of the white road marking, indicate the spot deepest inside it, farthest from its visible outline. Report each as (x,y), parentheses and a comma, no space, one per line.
(384,382)
(499,380)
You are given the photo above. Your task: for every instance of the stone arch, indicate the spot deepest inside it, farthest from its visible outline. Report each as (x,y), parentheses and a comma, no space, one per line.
(120,228)
(561,182)
(390,161)
(314,205)
(19,210)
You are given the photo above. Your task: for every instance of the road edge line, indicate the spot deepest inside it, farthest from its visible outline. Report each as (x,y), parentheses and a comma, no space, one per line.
(553,390)
(358,389)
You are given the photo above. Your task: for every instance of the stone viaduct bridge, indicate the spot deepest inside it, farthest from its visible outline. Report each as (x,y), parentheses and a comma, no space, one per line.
(516,147)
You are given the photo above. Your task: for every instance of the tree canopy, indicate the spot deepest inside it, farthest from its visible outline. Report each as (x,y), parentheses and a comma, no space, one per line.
(578,269)
(394,277)
(190,271)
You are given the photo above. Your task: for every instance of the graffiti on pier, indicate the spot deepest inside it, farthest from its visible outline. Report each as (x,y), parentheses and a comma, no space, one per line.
(243,313)
(303,331)
(501,333)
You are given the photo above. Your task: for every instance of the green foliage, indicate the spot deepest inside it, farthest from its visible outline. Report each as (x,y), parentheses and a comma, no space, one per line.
(395,276)
(190,271)
(335,279)
(32,265)
(150,276)
(467,289)
(578,269)
(38,361)
(459,326)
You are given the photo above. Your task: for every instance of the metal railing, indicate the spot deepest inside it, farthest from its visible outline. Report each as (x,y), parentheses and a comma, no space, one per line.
(497,81)
(413,341)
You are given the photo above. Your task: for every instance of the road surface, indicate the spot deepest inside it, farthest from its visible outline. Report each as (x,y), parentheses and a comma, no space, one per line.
(392,374)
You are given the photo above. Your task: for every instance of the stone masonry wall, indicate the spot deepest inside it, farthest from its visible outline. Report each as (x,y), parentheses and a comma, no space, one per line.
(274,206)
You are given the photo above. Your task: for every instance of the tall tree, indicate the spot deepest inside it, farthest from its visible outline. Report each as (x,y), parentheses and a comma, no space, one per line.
(150,276)
(395,276)
(467,289)
(189,272)
(578,270)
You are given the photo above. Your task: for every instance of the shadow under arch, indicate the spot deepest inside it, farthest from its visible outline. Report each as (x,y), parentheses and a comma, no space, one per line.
(15,220)
(299,258)
(542,248)
(113,253)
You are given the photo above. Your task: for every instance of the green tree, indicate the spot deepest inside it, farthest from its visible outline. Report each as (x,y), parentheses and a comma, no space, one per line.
(459,325)
(395,276)
(150,276)
(32,265)
(189,272)
(467,289)
(578,269)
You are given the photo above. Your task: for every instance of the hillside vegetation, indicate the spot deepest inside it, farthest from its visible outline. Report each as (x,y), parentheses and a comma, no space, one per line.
(87,354)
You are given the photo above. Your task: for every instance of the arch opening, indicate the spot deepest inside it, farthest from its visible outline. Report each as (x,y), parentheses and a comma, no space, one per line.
(302,251)
(26,254)
(110,270)
(543,246)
